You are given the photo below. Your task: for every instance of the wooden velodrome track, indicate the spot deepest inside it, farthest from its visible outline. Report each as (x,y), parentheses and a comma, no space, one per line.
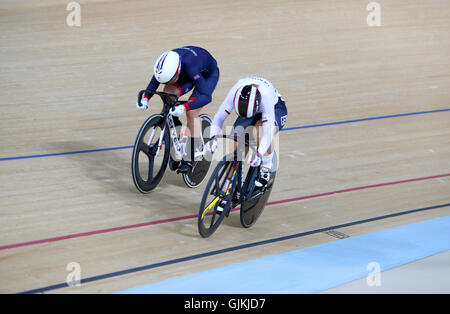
(73,90)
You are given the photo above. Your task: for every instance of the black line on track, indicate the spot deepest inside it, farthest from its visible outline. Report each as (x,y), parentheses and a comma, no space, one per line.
(230,249)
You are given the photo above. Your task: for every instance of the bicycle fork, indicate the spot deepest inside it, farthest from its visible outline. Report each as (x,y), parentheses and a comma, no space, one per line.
(160,141)
(229,188)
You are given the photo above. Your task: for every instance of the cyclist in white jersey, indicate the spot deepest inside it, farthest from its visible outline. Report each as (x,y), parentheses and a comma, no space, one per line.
(258,104)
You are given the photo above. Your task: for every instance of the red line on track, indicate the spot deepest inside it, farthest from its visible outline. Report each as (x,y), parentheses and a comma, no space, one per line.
(358,188)
(157,222)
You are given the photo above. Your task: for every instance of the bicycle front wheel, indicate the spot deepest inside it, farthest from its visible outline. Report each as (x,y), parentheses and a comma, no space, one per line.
(150,154)
(218,192)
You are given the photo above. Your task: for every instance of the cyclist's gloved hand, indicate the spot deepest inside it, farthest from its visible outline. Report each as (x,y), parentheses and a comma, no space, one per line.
(143,105)
(256,161)
(177,110)
(211,145)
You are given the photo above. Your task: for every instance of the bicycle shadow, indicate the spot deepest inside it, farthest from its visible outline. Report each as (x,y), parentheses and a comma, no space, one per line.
(189,229)
(172,178)
(111,171)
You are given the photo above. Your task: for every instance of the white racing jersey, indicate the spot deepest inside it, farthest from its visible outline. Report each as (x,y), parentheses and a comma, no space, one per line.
(269,98)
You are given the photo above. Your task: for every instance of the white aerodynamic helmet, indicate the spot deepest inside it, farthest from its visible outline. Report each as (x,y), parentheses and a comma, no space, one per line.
(167,67)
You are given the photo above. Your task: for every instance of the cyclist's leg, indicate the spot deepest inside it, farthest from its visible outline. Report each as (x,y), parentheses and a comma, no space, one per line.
(243,128)
(181,87)
(178,88)
(267,166)
(194,143)
(194,123)
(280,122)
(253,127)
(281,115)
(174,89)
(193,120)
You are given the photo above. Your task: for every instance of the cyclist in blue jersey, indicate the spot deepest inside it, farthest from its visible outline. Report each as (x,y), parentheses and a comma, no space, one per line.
(182,70)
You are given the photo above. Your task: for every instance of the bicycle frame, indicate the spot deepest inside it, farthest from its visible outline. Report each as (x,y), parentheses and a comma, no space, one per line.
(169,101)
(236,169)
(179,148)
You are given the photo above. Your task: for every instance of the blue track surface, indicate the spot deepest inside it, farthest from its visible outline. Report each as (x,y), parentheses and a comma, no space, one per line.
(317,268)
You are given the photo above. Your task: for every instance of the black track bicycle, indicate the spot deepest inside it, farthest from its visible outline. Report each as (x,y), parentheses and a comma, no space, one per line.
(226,189)
(159,143)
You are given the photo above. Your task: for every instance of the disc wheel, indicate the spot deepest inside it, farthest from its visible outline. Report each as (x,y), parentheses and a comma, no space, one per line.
(150,154)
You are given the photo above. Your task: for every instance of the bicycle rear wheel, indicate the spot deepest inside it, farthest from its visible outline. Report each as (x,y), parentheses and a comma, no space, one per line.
(217,191)
(252,208)
(150,154)
(195,177)
(255,200)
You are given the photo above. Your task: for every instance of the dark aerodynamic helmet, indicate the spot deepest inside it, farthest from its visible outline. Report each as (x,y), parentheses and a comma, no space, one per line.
(247,101)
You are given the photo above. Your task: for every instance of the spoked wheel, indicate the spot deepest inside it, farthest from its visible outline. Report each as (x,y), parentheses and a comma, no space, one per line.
(216,193)
(195,177)
(150,154)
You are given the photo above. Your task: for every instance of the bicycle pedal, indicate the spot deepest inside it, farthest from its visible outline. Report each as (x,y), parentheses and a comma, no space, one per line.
(221,207)
(237,198)
(173,164)
(198,155)
(185,167)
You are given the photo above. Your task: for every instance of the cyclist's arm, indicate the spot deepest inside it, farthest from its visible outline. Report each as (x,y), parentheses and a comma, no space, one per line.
(224,111)
(153,85)
(268,122)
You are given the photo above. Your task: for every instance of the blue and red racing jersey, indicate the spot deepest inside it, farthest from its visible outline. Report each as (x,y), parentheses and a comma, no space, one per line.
(199,71)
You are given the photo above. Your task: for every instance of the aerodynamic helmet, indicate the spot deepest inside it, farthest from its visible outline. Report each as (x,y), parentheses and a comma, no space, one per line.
(247,101)
(167,67)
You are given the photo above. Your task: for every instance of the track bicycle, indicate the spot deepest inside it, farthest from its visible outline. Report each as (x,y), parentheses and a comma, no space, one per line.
(159,143)
(226,189)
